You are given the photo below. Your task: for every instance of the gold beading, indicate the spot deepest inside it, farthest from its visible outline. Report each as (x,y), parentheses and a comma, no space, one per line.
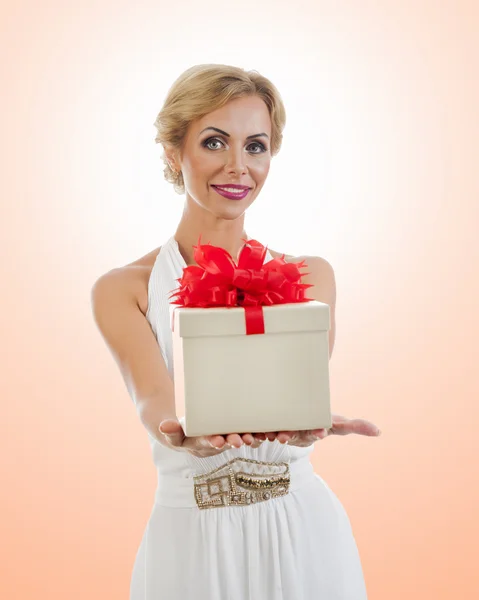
(226,486)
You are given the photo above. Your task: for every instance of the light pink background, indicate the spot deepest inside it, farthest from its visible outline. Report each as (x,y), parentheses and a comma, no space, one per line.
(397,94)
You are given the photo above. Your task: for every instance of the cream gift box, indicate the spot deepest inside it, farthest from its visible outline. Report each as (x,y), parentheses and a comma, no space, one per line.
(229,382)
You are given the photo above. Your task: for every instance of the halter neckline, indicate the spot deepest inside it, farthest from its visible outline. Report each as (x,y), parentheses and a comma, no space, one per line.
(176,247)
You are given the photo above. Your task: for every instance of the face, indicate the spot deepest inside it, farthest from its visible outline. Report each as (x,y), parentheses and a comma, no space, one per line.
(240,154)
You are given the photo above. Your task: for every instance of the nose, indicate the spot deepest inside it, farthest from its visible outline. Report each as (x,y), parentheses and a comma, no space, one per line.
(236,162)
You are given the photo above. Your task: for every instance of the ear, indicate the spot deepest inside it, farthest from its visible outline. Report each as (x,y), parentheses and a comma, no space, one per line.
(171,157)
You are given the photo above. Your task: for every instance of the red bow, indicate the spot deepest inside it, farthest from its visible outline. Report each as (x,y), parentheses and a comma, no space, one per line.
(217,280)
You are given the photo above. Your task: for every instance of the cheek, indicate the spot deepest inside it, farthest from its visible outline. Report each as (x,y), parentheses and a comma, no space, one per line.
(201,165)
(263,170)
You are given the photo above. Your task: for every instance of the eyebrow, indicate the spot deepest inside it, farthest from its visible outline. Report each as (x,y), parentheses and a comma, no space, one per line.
(228,135)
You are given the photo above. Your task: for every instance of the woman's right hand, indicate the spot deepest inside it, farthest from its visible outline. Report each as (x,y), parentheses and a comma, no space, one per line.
(208,445)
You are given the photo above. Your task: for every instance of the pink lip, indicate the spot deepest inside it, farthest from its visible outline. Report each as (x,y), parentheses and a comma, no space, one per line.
(242,194)
(233,185)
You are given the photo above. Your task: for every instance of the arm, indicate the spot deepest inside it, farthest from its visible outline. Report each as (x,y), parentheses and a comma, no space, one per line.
(321,275)
(131,341)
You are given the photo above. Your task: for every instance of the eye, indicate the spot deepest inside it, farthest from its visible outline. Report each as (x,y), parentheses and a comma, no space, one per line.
(261,146)
(206,144)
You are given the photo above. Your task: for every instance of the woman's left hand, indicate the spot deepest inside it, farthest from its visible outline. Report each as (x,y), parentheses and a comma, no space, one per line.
(341,426)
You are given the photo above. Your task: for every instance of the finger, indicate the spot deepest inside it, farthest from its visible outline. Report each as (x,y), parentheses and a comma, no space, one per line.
(285,436)
(233,439)
(271,435)
(302,438)
(320,433)
(247,438)
(307,436)
(358,426)
(173,431)
(364,427)
(260,436)
(216,441)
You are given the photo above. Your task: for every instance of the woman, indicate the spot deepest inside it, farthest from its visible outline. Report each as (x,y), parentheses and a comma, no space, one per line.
(219,127)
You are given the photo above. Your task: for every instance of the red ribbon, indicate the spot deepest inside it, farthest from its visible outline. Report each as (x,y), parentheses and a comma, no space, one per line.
(217,280)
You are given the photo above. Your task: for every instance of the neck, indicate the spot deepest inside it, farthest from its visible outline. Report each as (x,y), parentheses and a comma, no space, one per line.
(227,234)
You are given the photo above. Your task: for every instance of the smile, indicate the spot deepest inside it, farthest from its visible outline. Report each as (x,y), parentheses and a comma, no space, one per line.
(231,193)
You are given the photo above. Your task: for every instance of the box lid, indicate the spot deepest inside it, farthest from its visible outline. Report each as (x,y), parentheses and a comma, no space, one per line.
(278,318)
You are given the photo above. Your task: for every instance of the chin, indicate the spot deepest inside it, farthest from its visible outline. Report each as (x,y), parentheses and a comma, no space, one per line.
(229,215)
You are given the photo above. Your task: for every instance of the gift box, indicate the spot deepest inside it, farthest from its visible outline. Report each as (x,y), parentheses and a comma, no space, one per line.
(259,366)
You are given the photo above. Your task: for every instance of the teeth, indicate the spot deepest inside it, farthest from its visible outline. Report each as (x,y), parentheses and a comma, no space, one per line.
(232,190)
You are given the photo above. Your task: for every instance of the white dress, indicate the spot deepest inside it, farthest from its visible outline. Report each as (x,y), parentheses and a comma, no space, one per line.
(299,546)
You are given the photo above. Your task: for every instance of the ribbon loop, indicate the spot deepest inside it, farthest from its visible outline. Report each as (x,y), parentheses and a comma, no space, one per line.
(217,280)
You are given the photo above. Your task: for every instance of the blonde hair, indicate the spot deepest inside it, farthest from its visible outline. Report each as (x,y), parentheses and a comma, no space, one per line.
(202,89)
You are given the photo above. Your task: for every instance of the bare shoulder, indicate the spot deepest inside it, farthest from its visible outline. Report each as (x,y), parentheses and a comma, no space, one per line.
(130,280)
(116,299)
(320,274)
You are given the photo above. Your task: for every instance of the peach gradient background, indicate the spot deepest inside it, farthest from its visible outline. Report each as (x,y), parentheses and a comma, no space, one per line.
(382,104)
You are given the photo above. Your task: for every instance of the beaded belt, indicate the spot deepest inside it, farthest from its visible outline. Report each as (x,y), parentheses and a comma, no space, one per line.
(230,485)
(239,482)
